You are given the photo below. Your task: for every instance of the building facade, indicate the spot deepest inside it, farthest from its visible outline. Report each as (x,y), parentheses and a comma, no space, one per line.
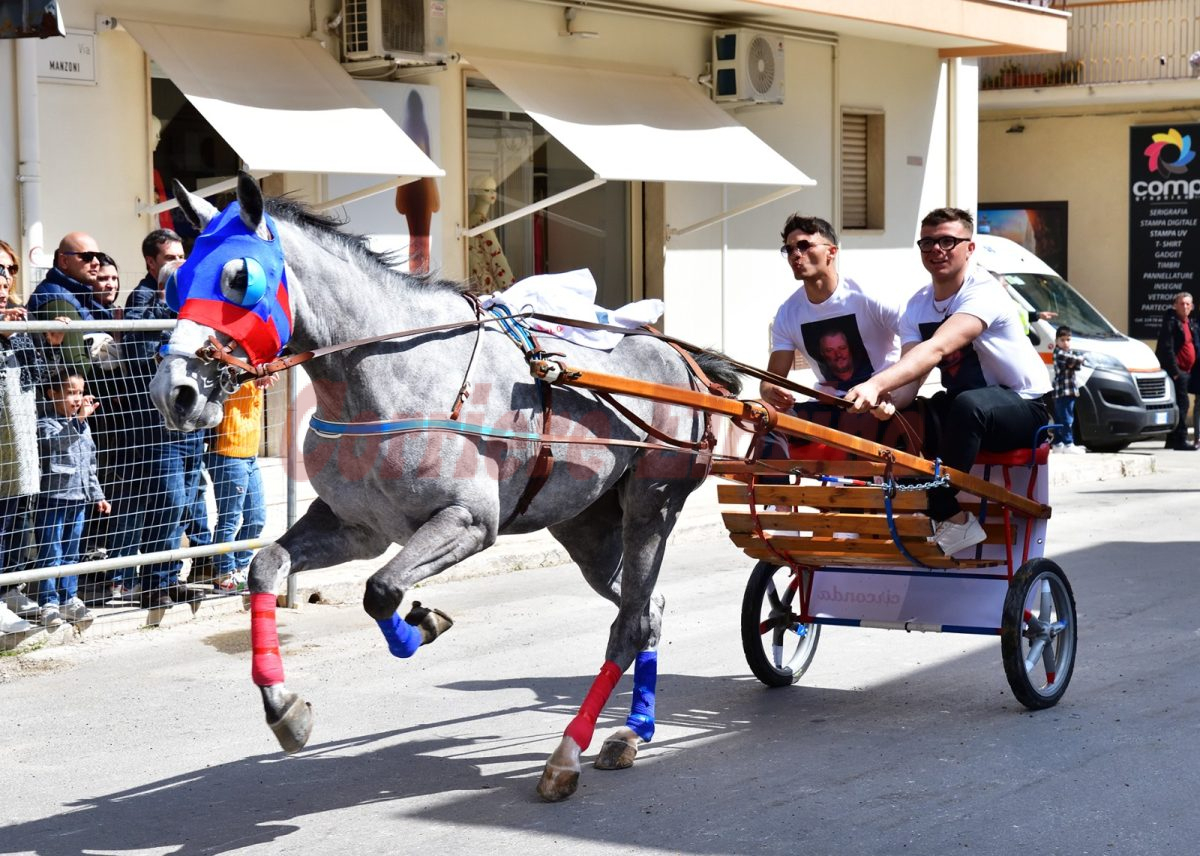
(867,117)
(1074,133)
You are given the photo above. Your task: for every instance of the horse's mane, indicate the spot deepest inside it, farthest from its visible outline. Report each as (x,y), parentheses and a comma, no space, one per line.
(297,213)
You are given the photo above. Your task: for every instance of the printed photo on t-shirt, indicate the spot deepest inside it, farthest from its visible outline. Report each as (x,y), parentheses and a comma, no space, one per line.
(837,349)
(960,369)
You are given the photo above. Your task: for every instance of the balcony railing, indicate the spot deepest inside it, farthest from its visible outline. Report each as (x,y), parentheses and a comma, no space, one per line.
(1121,41)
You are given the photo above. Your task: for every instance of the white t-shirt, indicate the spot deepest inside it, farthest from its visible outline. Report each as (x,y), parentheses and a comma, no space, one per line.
(1002,355)
(846,338)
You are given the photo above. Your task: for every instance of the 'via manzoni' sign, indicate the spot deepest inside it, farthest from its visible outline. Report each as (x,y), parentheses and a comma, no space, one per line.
(69,60)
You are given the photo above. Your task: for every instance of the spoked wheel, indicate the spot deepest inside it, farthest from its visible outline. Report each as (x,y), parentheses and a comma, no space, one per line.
(778,647)
(1038,636)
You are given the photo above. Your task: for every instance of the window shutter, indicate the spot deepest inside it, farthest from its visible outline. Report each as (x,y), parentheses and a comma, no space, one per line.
(854,171)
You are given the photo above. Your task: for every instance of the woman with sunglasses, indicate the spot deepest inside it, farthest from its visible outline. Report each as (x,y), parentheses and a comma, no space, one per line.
(19,374)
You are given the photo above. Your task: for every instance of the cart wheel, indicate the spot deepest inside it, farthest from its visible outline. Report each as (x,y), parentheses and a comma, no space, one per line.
(778,647)
(1037,640)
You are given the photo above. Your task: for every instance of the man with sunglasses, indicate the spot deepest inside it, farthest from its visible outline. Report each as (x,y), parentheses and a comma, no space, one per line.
(71,290)
(996,399)
(844,329)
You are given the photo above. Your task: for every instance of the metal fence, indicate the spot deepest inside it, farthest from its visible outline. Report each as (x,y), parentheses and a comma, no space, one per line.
(1131,41)
(98,500)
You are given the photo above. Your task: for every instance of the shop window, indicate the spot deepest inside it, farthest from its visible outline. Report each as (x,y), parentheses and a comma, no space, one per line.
(513,162)
(862,170)
(188,149)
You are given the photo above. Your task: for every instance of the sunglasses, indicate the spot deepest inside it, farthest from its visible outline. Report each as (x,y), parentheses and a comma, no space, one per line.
(9,271)
(86,256)
(945,243)
(800,247)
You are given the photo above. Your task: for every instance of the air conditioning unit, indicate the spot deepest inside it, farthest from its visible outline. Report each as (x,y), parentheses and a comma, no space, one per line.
(747,66)
(401,29)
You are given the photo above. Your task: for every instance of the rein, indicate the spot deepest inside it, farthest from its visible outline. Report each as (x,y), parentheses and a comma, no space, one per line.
(213,350)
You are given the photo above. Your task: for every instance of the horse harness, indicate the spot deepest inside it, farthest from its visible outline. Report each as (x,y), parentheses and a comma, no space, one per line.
(542,363)
(543,366)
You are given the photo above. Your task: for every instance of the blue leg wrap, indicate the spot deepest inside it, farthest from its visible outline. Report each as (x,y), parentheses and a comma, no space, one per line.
(645,676)
(402,638)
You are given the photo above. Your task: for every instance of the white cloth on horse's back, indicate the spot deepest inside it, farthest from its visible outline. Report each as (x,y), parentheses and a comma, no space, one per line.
(573,295)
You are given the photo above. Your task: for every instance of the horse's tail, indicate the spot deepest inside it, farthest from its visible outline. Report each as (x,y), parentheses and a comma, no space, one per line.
(718,368)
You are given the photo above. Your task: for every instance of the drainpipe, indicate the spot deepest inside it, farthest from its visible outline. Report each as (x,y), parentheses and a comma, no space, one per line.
(28,166)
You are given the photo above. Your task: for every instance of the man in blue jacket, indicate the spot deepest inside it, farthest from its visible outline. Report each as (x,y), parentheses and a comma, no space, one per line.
(71,290)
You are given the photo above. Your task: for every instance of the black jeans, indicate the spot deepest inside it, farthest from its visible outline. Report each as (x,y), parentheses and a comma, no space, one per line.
(991,419)
(1178,435)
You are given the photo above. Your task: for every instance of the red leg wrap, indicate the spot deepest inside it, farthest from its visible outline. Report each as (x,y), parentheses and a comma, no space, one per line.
(267,668)
(583,726)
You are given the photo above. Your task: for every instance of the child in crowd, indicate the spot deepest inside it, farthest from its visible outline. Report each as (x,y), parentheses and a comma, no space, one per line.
(69,483)
(1066,364)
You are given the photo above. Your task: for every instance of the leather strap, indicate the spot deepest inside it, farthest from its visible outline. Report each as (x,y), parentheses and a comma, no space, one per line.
(224,353)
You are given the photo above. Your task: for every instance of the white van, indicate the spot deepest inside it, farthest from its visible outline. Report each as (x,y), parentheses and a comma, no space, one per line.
(1127,395)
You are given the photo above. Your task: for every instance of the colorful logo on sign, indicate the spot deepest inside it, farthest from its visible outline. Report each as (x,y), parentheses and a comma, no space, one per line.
(1172,139)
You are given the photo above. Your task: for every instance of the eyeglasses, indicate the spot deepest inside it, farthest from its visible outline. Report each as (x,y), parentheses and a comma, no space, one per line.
(945,243)
(800,247)
(86,256)
(9,271)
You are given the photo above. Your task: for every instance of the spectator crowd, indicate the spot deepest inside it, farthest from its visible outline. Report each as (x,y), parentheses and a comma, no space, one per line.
(88,469)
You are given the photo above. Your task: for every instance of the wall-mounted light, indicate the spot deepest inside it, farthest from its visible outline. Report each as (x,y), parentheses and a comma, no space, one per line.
(1015,129)
(569,14)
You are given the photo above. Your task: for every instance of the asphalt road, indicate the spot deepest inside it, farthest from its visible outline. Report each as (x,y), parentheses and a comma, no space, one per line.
(153,743)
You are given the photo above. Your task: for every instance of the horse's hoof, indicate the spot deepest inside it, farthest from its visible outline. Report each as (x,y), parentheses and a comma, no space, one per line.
(431,622)
(557,783)
(618,751)
(294,725)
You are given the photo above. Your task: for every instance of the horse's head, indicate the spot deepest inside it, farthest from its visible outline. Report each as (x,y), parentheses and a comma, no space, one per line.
(232,289)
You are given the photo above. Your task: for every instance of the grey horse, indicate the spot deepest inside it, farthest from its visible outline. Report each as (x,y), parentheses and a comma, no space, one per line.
(396,454)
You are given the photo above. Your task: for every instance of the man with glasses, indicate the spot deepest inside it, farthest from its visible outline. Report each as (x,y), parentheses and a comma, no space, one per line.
(71,291)
(844,329)
(996,397)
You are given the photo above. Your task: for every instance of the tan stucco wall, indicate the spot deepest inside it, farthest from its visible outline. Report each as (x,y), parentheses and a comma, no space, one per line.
(722,284)
(1083,159)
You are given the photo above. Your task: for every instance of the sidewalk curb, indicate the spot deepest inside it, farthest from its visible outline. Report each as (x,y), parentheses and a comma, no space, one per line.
(344,583)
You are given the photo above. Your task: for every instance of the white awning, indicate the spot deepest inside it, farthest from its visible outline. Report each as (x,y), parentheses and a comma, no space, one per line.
(638,127)
(283,104)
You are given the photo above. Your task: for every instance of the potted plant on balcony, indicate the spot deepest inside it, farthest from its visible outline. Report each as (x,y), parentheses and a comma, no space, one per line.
(1070,71)
(1010,75)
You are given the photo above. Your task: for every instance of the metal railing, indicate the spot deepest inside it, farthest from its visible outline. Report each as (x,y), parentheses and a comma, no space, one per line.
(1126,41)
(20,565)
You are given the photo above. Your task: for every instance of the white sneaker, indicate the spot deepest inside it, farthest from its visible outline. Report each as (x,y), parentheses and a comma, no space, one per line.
(16,600)
(10,622)
(1075,450)
(953,538)
(49,616)
(232,583)
(75,611)
(1057,447)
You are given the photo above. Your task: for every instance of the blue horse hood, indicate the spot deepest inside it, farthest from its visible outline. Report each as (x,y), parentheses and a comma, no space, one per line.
(258,318)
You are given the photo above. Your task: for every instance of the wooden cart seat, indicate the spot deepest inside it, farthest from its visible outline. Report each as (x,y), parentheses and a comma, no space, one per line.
(839,524)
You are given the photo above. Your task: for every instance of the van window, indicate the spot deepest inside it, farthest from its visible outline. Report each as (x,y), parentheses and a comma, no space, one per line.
(1053,294)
